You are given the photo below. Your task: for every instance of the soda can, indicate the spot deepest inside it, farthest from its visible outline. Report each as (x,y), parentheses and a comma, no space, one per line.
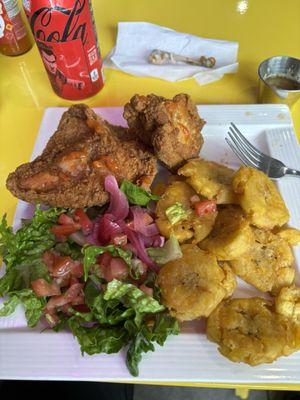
(65,34)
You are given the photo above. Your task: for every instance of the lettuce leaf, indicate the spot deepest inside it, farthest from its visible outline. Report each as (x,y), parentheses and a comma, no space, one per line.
(176,213)
(168,252)
(33,305)
(122,314)
(69,248)
(83,316)
(143,338)
(31,240)
(164,326)
(132,297)
(105,312)
(135,194)
(98,339)
(9,306)
(18,277)
(22,253)
(140,344)
(91,252)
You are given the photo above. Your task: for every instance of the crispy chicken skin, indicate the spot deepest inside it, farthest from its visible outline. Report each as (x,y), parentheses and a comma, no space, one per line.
(172,128)
(71,170)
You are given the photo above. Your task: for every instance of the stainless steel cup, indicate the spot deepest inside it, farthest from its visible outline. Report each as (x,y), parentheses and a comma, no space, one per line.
(282,66)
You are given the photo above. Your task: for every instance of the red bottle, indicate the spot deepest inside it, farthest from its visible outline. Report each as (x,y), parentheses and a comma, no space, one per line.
(14,38)
(66,38)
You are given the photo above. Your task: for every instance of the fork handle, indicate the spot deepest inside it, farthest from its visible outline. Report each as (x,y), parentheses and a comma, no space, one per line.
(290,171)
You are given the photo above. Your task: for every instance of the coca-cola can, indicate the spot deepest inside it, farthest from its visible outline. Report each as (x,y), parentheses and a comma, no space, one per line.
(65,34)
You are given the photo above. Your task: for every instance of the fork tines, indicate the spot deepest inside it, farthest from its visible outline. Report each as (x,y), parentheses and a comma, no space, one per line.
(243,149)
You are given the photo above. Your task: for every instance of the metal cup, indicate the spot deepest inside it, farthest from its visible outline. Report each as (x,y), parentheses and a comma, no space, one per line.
(282,66)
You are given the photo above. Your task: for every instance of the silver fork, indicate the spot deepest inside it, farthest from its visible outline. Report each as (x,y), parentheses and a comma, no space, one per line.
(254,158)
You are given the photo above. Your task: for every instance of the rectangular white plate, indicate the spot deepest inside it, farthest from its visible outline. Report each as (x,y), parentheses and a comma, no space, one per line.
(189,357)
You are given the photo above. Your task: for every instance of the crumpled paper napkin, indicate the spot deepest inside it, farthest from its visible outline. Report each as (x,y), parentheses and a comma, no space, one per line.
(136,40)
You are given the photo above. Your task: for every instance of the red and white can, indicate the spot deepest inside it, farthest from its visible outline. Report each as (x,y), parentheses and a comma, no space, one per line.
(66,37)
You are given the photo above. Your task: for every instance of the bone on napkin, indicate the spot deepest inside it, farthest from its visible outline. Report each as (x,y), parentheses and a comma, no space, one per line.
(136,40)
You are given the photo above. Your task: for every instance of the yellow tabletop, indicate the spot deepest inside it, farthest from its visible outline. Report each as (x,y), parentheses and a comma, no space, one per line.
(263,28)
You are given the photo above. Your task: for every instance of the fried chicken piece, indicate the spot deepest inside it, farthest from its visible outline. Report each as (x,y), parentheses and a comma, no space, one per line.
(268,265)
(195,284)
(172,128)
(250,331)
(71,170)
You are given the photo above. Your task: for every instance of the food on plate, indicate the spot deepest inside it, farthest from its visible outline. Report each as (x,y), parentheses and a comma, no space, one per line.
(250,331)
(192,286)
(122,274)
(179,212)
(268,264)
(172,128)
(71,170)
(291,235)
(287,303)
(259,198)
(209,179)
(231,236)
(92,274)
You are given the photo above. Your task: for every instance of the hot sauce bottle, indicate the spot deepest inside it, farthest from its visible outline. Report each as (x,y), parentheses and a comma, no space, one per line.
(65,35)
(14,38)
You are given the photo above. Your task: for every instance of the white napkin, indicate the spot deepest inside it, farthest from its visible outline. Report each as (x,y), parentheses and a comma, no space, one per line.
(136,40)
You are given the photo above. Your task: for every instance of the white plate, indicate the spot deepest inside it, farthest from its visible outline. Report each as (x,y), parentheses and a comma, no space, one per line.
(189,357)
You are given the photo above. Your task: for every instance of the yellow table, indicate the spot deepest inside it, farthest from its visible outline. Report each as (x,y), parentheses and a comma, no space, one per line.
(263,28)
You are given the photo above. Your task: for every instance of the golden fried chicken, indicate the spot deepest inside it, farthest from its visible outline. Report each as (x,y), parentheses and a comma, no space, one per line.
(268,265)
(250,331)
(71,170)
(172,128)
(192,286)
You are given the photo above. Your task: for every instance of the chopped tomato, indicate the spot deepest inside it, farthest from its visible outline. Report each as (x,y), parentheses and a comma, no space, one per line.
(147,290)
(73,292)
(205,207)
(73,295)
(83,220)
(62,282)
(77,269)
(117,269)
(67,227)
(65,219)
(104,259)
(50,257)
(42,288)
(62,267)
(61,231)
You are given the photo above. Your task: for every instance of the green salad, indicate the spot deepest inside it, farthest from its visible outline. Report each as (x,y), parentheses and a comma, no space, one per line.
(93,272)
